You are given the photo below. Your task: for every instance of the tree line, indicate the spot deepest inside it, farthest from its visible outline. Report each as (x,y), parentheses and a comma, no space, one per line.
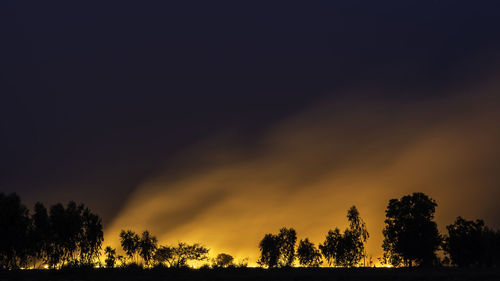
(411,238)
(72,236)
(61,235)
(143,251)
(339,249)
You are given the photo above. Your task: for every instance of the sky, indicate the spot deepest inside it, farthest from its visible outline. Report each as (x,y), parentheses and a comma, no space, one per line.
(218,122)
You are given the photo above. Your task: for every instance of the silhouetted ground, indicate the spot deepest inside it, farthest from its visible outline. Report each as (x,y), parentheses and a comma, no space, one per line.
(295,274)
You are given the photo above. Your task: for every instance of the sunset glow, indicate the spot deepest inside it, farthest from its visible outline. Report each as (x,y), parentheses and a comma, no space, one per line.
(308,170)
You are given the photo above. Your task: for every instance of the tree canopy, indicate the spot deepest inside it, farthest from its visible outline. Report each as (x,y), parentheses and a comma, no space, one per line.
(471,243)
(180,255)
(64,235)
(410,233)
(223,260)
(307,254)
(346,249)
(278,250)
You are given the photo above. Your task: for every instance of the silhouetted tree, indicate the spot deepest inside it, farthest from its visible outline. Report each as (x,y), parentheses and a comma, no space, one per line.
(278,250)
(40,234)
(75,235)
(349,253)
(14,230)
(165,255)
(91,237)
(269,251)
(147,247)
(330,247)
(471,243)
(72,234)
(130,243)
(223,260)
(339,249)
(194,252)
(308,254)
(66,225)
(410,234)
(110,257)
(287,240)
(180,256)
(348,248)
(358,234)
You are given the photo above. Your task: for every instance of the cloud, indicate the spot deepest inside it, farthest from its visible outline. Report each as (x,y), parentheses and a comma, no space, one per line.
(306,171)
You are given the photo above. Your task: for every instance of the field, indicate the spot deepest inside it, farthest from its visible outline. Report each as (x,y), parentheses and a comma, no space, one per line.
(295,274)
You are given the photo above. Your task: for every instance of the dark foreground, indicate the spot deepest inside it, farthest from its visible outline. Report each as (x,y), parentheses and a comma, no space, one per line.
(257,274)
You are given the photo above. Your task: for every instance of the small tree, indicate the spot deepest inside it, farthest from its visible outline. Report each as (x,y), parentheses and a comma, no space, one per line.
(223,260)
(308,254)
(180,256)
(186,253)
(110,257)
(165,255)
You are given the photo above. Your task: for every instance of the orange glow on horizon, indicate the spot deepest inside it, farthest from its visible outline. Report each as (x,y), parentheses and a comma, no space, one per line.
(307,171)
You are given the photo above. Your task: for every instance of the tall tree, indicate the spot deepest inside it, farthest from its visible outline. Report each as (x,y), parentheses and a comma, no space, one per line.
(287,239)
(307,254)
(269,251)
(358,235)
(14,230)
(130,243)
(66,228)
(40,234)
(410,233)
(147,247)
(91,237)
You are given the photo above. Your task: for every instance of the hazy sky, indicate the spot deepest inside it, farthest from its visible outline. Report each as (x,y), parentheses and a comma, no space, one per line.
(219,122)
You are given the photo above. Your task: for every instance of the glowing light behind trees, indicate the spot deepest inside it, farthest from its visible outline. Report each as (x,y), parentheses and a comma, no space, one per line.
(306,171)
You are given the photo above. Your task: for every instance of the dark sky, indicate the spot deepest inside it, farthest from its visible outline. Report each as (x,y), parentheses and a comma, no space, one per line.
(97,96)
